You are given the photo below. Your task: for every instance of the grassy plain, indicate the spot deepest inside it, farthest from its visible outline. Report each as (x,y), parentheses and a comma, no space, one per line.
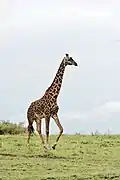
(77,157)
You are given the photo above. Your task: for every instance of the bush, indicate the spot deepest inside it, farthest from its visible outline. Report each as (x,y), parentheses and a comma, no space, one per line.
(10,128)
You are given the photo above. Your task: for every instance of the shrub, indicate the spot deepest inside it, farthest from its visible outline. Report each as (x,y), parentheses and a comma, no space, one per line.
(11,128)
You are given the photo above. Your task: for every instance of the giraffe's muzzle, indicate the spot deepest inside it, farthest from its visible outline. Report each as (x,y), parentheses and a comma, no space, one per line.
(75,64)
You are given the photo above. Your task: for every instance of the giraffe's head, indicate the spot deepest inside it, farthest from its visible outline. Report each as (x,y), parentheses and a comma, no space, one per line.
(69,60)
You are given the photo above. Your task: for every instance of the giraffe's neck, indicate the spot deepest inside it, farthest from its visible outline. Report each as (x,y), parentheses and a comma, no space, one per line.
(55,87)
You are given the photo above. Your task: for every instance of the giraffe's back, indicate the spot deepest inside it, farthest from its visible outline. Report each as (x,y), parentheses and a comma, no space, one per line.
(35,109)
(42,107)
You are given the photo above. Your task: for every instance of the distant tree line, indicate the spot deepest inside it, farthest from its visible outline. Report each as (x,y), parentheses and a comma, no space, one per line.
(7,127)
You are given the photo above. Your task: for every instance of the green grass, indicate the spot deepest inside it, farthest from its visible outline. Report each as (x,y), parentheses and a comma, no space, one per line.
(76,157)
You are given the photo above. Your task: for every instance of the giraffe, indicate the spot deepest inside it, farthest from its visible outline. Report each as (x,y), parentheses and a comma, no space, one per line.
(47,107)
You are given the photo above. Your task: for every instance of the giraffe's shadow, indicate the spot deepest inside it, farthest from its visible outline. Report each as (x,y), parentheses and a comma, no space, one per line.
(49,156)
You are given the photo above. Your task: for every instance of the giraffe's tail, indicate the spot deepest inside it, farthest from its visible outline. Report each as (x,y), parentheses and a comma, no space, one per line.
(30,129)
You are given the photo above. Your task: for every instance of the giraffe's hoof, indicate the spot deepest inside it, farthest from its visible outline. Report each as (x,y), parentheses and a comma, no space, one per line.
(28,145)
(47,146)
(53,147)
(45,149)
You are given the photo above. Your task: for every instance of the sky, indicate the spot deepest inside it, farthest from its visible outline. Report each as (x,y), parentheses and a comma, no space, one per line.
(34,37)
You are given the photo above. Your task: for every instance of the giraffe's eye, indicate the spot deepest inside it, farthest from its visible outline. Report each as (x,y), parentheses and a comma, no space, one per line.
(69,62)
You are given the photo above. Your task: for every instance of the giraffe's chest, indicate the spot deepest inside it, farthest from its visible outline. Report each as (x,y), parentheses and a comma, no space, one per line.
(52,108)
(49,108)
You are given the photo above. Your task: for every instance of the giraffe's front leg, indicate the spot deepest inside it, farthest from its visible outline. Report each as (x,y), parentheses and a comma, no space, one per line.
(39,131)
(55,117)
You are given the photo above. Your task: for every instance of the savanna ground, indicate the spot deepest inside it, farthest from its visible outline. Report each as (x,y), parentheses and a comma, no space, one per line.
(76,157)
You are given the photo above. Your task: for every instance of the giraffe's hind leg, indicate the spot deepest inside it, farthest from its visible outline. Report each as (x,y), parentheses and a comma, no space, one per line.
(47,122)
(38,123)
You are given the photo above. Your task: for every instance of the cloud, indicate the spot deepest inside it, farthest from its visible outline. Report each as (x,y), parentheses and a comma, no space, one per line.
(113,106)
(100,118)
(26,15)
(98,113)
(105,112)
